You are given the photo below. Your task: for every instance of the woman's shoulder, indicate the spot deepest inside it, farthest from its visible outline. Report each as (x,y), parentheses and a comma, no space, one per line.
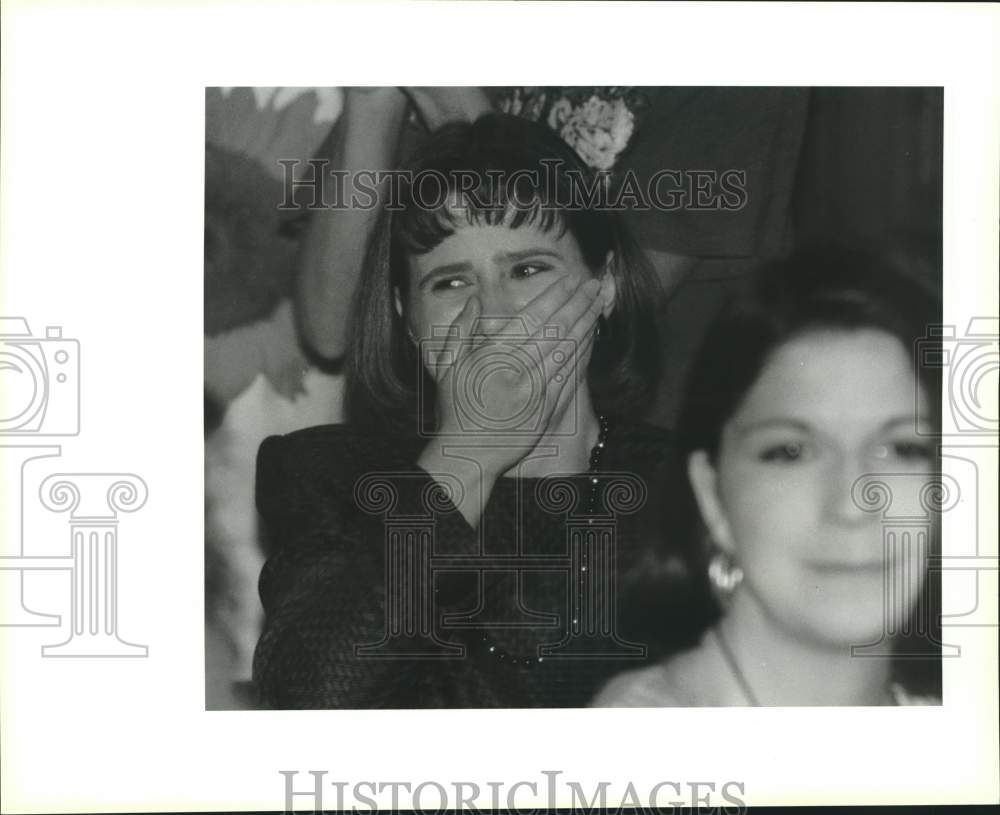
(642,687)
(330,436)
(336,447)
(903,697)
(685,679)
(328,460)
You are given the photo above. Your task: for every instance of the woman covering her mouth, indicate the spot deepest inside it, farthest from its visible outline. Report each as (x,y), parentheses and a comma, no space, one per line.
(458,543)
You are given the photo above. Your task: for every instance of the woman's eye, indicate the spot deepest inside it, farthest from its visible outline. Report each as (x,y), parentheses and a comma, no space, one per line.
(911,451)
(523,270)
(786,452)
(445,284)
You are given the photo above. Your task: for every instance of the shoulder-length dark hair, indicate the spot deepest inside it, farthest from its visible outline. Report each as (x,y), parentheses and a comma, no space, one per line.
(511,171)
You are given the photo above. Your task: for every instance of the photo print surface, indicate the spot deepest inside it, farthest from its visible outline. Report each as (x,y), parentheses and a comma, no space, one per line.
(572,396)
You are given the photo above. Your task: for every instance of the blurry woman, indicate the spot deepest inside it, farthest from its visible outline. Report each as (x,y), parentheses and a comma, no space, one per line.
(807,413)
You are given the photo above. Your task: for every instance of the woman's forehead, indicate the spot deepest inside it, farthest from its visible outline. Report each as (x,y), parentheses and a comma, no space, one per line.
(475,242)
(835,377)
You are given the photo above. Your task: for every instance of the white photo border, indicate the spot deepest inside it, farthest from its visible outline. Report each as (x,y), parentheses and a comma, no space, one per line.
(102,234)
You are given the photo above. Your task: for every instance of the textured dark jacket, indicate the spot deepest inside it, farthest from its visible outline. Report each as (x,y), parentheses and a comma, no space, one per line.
(376,593)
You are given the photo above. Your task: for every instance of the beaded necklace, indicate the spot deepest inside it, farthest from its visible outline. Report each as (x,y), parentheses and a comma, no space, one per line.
(590,507)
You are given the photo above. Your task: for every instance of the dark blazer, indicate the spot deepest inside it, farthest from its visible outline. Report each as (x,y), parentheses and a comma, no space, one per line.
(378,593)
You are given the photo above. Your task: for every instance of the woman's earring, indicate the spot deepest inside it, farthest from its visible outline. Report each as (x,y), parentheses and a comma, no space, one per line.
(724,574)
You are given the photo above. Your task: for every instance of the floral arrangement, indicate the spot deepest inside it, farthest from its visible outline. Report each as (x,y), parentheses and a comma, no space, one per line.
(597,122)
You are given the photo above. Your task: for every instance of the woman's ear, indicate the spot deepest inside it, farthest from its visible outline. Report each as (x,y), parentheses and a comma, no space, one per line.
(397,301)
(610,286)
(705,485)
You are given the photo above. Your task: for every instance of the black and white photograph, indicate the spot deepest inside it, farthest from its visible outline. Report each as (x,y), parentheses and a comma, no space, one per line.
(623,390)
(509,405)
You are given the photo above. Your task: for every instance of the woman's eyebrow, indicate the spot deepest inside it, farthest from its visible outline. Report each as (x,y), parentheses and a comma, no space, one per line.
(521,254)
(910,422)
(906,421)
(767,424)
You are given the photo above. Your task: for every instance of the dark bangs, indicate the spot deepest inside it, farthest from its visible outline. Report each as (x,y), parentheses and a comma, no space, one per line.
(419,228)
(499,171)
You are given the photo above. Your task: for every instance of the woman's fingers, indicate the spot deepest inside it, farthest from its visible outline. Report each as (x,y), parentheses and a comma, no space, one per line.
(561,388)
(584,313)
(558,306)
(572,308)
(539,312)
(584,300)
(568,306)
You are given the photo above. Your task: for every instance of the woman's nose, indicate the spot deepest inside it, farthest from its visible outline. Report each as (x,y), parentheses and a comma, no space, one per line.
(852,493)
(499,305)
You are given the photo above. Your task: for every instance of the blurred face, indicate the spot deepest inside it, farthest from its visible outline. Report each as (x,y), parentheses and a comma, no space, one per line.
(827,409)
(505,268)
